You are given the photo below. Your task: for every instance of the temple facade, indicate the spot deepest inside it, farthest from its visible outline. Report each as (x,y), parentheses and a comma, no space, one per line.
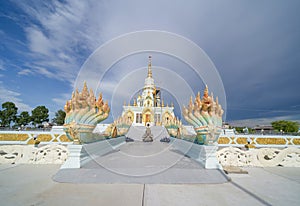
(148,108)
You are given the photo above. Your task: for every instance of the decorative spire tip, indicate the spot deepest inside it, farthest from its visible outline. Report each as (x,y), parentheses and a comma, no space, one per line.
(149,68)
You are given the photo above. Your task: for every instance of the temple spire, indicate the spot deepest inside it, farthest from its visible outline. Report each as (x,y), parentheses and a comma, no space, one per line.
(149,68)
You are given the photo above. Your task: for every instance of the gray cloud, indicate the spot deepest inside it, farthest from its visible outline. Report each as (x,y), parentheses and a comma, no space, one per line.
(254,45)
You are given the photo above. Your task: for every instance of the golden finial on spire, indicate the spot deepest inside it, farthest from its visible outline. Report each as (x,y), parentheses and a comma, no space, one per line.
(205,91)
(134,102)
(149,68)
(191,100)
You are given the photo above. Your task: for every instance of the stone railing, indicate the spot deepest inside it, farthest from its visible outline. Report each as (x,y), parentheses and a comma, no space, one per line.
(206,155)
(28,154)
(27,137)
(259,140)
(57,153)
(262,157)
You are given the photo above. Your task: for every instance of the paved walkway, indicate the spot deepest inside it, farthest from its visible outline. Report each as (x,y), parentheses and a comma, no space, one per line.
(140,162)
(32,185)
(146,174)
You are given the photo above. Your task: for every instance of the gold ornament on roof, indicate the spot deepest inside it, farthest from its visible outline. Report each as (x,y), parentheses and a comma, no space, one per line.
(149,68)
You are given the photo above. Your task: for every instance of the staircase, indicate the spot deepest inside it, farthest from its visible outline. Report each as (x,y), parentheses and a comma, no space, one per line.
(159,132)
(136,132)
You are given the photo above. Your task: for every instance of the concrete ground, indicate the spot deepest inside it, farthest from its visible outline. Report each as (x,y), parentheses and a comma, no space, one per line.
(33,185)
(142,163)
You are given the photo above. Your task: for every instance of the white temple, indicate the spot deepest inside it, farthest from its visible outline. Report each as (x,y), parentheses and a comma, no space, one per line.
(148,108)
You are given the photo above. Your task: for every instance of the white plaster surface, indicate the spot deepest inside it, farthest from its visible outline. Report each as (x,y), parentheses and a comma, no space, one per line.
(229,156)
(262,157)
(29,154)
(74,158)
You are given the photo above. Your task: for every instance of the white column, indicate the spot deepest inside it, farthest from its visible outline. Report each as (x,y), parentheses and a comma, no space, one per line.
(75,153)
(208,155)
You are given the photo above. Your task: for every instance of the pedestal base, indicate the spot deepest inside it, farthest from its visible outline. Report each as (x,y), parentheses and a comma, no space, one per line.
(208,157)
(75,158)
(82,154)
(204,154)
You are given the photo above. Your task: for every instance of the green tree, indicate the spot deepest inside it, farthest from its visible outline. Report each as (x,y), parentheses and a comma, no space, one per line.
(239,129)
(251,131)
(59,118)
(39,115)
(23,119)
(8,113)
(285,126)
(1,118)
(1,125)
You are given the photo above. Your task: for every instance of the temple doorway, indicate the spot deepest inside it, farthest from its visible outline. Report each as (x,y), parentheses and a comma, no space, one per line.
(148,119)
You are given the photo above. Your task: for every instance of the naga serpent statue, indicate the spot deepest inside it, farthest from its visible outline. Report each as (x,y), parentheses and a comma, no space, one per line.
(83,113)
(205,115)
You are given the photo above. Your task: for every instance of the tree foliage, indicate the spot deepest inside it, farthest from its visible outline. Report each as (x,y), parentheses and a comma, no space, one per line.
(23,119)
(285,126)
(244,130)
(39,115)
(239,129)
(59,118)
(8,113)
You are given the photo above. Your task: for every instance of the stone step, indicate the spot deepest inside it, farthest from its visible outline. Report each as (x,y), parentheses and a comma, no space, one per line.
(136,132)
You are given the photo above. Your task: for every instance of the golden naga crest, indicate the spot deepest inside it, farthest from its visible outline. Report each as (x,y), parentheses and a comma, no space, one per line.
(83,113)
(205,115)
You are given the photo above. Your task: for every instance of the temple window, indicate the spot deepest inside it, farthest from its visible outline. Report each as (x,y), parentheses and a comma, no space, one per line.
(138,118)
(157,118)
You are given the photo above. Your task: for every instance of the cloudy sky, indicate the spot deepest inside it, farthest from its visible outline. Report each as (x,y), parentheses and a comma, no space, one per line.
(254,46)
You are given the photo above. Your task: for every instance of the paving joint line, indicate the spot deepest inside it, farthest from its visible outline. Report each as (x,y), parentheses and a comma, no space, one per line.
(143,195)
(264,202)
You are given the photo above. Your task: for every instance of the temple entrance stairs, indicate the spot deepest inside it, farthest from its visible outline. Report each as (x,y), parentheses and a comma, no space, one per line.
(136,132)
